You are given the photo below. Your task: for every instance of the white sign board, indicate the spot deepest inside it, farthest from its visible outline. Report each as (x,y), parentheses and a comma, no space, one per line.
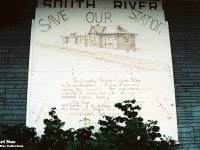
(83,61)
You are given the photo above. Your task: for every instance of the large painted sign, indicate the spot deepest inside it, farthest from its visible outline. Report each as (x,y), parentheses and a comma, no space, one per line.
(83,61)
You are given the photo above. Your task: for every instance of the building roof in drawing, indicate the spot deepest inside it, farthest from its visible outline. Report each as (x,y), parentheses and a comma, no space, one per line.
(96,29)
(101,30)
(107,29)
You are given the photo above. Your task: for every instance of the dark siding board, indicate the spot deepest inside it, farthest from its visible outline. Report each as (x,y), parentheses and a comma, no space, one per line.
(14,58)
(184,26)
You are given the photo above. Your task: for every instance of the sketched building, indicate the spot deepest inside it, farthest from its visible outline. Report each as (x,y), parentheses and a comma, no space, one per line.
(114,37)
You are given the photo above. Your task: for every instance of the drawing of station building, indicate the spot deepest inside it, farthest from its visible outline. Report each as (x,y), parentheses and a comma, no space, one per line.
(114,37)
